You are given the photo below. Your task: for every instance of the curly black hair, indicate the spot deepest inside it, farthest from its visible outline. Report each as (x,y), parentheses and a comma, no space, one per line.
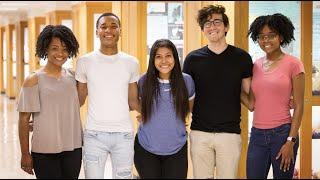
(279,23)
(59,31)
(206,12)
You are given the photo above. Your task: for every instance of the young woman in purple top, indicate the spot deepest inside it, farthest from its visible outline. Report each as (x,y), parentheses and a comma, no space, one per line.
(166,96)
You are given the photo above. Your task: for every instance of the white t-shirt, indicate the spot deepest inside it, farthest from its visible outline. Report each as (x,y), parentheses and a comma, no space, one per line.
(107,79)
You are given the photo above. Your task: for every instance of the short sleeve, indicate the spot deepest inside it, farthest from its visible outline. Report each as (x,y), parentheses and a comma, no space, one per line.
(140,85)
(186,65)
(247,66)
(80,74)
(71,72)
(29,99)
(297,68)
(190,86)
(134,72)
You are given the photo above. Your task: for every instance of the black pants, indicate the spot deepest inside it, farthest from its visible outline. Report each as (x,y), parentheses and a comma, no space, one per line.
(150,165)
(64,165)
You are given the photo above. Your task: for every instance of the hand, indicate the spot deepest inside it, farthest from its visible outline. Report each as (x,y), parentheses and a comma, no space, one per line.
(30,126)
(139,118)
(315,130)
(291,104)
(27,164)
(286,153)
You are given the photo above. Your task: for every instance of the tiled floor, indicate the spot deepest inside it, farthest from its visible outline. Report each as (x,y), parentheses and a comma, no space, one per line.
(9,144)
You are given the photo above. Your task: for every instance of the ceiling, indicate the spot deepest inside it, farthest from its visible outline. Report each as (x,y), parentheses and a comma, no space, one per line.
(13,11)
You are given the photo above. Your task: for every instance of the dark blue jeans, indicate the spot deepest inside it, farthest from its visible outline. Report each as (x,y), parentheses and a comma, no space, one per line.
(263,148)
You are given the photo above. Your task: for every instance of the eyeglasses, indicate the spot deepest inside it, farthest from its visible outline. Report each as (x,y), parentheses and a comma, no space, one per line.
(215,22)
(270,36)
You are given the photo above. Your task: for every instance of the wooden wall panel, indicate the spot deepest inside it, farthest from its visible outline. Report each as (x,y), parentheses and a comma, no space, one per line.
(56,17)
(19,26)
(34,25)
(306,58)
(241,24)
(9,87)
(2,30)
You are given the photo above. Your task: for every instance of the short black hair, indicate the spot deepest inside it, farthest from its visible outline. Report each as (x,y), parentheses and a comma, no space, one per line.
(206,12)
(107,14)
(279,23)
(59,31)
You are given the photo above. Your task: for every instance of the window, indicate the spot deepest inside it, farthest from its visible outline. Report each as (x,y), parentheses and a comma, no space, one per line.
(315,49)
(165,21)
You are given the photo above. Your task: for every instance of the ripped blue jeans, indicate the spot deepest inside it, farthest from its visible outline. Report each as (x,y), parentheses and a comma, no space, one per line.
(98,145)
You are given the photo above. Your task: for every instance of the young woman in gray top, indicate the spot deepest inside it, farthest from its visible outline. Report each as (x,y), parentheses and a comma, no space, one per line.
(50,96)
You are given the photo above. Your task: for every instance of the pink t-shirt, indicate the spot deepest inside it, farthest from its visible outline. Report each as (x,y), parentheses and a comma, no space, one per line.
(272,92)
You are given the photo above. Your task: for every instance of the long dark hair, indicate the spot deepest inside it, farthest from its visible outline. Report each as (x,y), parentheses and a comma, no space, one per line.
(151,88)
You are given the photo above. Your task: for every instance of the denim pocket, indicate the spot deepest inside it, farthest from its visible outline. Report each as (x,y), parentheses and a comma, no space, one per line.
(128,136)
(283,130)
(89,133)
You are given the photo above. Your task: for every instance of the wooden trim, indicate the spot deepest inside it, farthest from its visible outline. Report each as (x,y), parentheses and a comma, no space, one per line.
(241,24)
(306,58)
(192,36)
(117,9)
(142,38)
(9,87)
(56,17)
(134,30)
(1,60)
(19,26)
(34,31)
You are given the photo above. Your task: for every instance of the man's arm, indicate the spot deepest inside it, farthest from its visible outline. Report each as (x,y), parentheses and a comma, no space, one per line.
(246,94)
(133,100)
(82,92)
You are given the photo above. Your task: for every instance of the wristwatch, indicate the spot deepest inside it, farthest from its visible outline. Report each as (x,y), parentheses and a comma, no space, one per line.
(292,139)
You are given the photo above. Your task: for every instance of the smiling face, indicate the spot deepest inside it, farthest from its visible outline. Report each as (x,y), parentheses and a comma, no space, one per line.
(57,52)
(164,62)
(214,29)
(108,31)
(269,41)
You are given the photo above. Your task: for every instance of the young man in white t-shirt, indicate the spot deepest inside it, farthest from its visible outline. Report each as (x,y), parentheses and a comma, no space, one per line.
(109,78)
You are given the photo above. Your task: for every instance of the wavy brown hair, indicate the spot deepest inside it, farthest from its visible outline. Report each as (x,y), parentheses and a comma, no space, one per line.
(206,12)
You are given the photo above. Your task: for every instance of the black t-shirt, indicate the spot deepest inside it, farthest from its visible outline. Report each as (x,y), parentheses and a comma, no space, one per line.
(218,79)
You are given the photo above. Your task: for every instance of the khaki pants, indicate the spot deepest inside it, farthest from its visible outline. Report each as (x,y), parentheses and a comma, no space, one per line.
(215,149)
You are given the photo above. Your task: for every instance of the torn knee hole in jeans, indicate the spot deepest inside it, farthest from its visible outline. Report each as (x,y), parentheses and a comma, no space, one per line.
(124,173)
(89,158)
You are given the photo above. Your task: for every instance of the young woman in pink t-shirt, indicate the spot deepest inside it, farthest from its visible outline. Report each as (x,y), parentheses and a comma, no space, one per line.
(276,78)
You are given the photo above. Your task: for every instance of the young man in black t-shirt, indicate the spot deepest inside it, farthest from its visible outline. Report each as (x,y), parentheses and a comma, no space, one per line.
(221,72)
